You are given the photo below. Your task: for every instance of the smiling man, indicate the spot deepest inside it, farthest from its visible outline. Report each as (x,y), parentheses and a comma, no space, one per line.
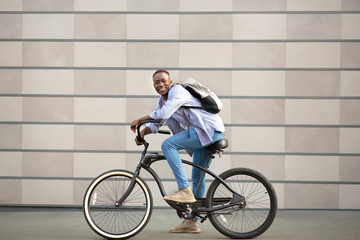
(193,130)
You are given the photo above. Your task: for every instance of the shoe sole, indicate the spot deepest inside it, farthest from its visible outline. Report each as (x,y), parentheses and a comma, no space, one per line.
(185,231)
(180,201)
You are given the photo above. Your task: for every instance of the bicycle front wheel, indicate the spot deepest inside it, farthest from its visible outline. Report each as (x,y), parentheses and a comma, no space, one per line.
(261,203)
(117,222)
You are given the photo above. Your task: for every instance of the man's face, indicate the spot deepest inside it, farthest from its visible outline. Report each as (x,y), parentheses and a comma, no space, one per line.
(162,84)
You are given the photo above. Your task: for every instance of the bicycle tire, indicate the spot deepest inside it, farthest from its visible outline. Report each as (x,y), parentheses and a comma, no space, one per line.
(261,204)
(112,222)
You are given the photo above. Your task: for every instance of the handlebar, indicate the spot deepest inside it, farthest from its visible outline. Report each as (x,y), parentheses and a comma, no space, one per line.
(164,132)
(149,121)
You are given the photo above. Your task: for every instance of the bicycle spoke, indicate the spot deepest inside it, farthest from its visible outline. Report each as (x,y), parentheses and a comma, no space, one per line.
(251,220)
(110,220)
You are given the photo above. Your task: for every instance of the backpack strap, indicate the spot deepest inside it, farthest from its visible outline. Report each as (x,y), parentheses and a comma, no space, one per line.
(198,107)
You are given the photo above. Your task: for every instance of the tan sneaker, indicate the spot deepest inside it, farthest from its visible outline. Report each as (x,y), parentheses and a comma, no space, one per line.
(183,195)
(187,226)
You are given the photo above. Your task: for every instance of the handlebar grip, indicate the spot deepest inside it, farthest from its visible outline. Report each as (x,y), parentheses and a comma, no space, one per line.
(164,132)
(139,139)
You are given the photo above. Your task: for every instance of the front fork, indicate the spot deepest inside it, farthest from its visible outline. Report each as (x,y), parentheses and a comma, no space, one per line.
(131,186)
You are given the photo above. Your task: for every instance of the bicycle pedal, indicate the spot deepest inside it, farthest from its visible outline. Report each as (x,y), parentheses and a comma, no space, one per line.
(203,219)
(188,209)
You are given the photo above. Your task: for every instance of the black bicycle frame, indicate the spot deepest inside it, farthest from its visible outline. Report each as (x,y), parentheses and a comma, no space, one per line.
(148,159)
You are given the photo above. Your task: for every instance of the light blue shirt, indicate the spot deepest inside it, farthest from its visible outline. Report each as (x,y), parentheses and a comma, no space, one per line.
(179,119)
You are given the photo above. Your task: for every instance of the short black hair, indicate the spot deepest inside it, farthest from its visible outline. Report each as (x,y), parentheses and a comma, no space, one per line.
(161,71)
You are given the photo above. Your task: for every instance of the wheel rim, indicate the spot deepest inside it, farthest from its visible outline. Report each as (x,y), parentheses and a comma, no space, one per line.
(258,204)
(117,222)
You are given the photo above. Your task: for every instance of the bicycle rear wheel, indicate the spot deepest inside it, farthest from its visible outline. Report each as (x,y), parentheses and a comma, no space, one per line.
(110,221)
(261,204)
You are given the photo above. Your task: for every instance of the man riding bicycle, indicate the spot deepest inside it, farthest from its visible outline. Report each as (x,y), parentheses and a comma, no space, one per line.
(193,130)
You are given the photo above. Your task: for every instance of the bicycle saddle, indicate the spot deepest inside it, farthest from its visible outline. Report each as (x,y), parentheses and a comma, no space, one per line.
(221,144)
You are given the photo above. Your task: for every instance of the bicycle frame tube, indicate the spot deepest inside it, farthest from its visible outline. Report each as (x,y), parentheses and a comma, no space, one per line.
(211,156)
(147,160)
(160,157)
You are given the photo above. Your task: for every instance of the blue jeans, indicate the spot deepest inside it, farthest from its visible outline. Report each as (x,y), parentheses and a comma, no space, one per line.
(182,140)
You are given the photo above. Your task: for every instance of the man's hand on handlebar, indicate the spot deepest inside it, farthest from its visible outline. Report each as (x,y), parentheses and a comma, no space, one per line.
(140,136)
(135,127)
(145,131)
(134,124)
(139,139)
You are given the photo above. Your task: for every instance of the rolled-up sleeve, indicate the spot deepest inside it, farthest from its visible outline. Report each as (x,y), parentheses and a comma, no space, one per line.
(153,127)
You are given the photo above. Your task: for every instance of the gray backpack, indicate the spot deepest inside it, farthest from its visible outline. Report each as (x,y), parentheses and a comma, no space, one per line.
(209,101)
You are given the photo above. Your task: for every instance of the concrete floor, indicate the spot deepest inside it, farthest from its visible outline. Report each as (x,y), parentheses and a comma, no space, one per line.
(70,224)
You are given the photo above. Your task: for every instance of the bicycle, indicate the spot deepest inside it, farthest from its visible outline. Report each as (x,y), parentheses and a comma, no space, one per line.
(240,202)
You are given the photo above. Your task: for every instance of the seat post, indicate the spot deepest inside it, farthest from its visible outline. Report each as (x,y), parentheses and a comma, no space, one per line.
(221,144)
(203,173)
